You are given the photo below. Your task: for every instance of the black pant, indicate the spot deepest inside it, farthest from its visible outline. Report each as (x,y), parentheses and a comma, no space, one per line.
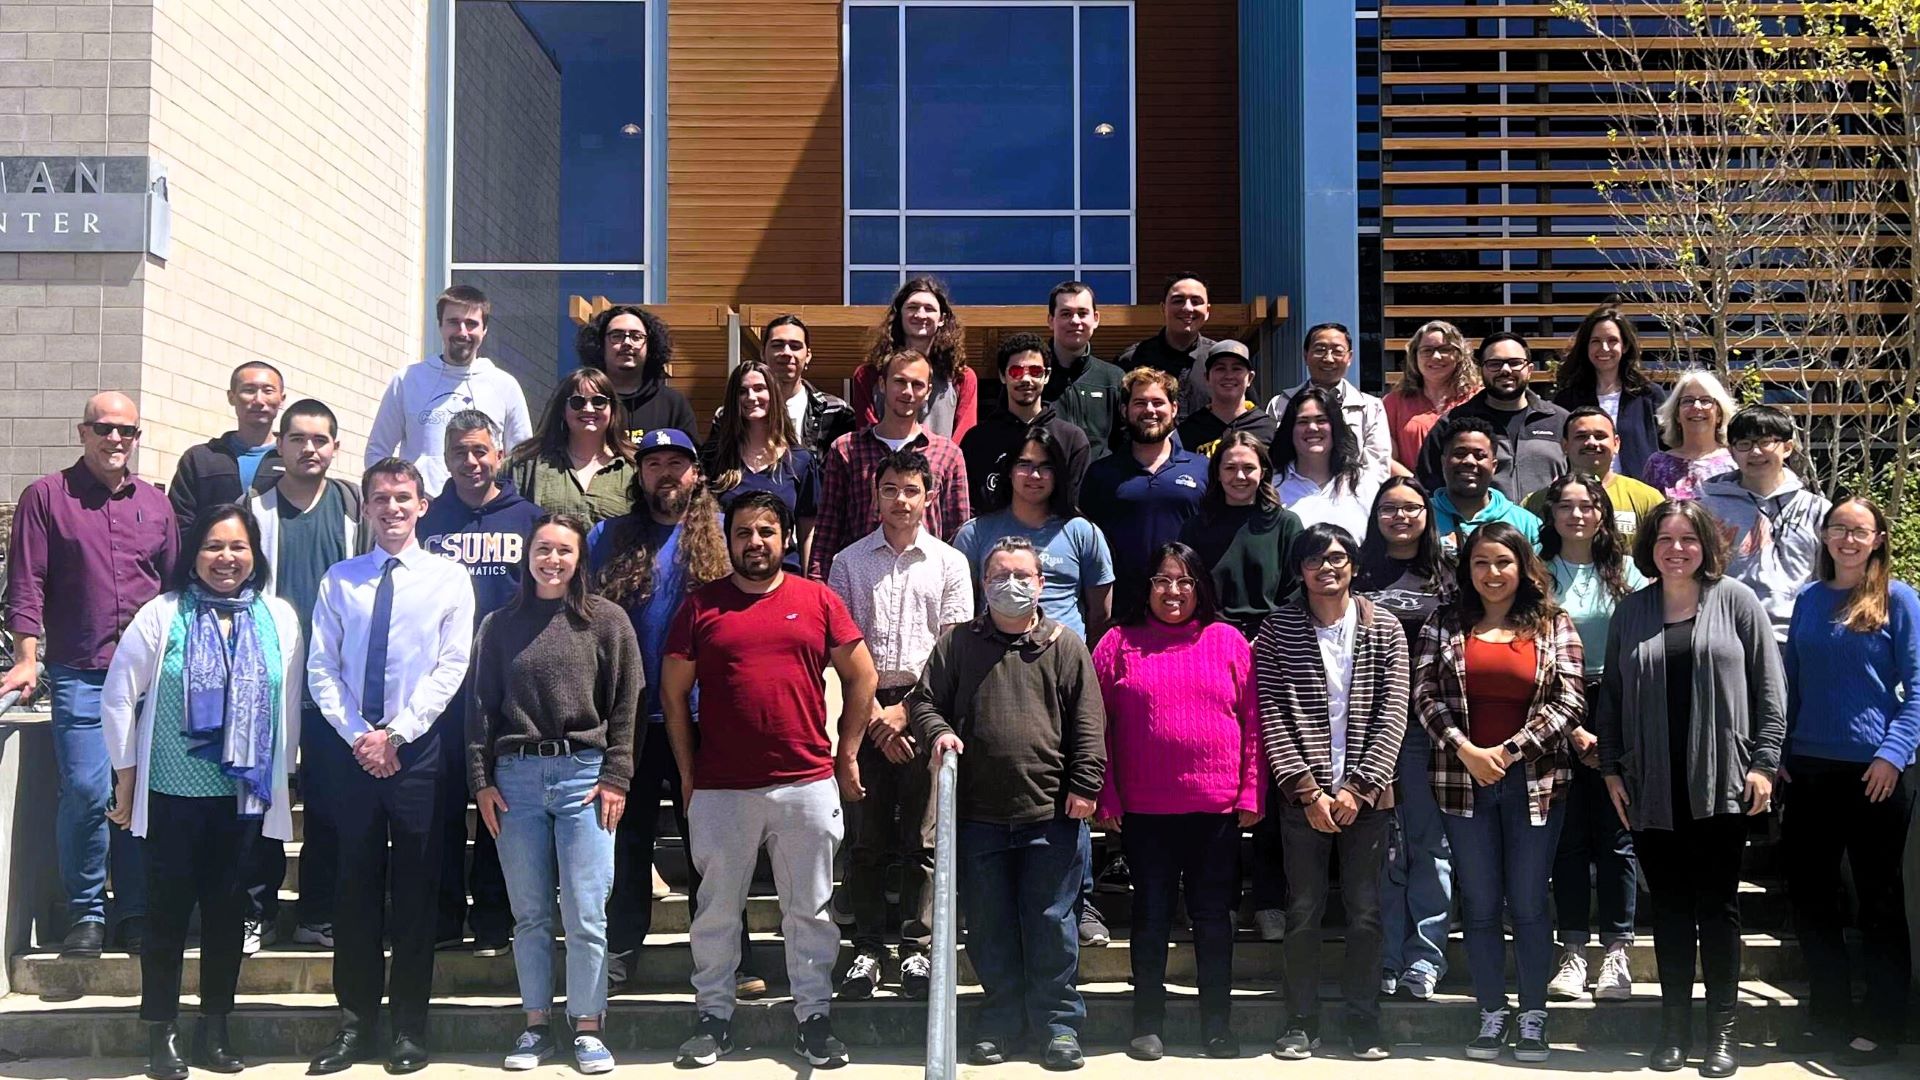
(1171,854)
(492,914)
(1827,814)
(1268,872)
(325,762)
(1591,835)
(895,819)
(1362,849)
(404,810)
(197,849)
(1693,882)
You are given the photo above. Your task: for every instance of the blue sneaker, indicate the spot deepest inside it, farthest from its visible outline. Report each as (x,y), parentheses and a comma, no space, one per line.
(534,1046)
(590,1054)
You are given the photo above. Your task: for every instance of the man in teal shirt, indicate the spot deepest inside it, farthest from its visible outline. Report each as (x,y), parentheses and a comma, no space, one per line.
(1470,500)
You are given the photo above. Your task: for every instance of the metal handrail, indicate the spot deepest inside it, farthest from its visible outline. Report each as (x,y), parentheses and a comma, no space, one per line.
(943,1007)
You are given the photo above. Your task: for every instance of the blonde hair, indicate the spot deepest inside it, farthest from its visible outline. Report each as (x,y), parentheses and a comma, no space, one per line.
(1466,375)
(1145,376)
(1865,610)
(1669,413)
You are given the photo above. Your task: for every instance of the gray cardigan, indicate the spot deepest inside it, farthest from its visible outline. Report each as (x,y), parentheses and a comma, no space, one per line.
(1739,703)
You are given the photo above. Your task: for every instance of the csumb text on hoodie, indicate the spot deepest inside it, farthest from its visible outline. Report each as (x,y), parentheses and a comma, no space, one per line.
(487,540)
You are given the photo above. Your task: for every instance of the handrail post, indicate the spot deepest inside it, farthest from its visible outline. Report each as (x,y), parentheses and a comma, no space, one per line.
(943,1007)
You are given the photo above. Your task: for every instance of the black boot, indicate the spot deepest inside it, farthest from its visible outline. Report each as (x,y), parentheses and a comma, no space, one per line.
(163,1052)
(1718,1060)
(1676,1038)
(212,1049)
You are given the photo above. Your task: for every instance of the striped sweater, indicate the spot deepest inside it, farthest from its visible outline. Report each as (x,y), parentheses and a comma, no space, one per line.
(1294,721)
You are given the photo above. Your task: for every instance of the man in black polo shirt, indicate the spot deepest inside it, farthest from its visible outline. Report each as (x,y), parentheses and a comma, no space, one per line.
(1179,349)
(1001,432)
(1528,427)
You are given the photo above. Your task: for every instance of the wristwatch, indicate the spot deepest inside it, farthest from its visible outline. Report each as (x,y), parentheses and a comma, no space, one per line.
(1512,748)
(395,739)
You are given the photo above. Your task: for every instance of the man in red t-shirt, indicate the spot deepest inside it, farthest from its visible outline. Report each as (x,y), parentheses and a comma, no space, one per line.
(762,770)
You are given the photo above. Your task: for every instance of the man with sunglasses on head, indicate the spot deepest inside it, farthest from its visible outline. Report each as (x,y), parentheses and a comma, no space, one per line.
(1527,428)
(91,544)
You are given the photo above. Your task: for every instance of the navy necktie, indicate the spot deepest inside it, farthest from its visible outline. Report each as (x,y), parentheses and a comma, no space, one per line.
(373,696)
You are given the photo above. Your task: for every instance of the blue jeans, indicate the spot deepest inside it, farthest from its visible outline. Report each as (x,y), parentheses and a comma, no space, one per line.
(545,822)
(1416,883)
(83,839)
(1020,885)
(1504,862)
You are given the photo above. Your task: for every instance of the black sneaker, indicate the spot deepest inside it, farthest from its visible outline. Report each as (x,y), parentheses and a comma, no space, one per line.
(1063,1053)
(987,1052)
(1115,878)
(1299,1041)
(1494,1030)
(816,1043)
(1531,1045)
(863,975)
(712,1038)
(916,975)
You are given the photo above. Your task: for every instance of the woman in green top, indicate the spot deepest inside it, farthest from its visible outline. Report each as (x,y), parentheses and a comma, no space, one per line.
(580,459)
(1590,575)
(1243,534)
(200,710)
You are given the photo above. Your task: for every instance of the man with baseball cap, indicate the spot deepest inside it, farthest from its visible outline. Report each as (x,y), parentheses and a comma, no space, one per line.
(1229,368)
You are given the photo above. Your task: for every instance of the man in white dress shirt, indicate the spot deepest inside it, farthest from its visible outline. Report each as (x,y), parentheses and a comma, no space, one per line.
(391,634)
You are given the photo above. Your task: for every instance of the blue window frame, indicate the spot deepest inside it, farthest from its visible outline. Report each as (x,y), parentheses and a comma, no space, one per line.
(991,144)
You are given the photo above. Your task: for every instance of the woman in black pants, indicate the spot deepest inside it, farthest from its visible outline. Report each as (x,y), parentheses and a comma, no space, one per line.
(1692,715)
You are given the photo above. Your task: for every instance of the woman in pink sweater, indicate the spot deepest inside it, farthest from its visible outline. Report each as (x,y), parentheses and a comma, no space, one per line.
(1185,774)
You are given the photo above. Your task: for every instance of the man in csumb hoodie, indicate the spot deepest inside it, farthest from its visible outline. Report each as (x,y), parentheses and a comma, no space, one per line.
(419,401)
(1771,521)
(479,521)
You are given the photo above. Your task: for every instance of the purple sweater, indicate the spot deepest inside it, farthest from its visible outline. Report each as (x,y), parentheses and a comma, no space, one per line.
(1183,722)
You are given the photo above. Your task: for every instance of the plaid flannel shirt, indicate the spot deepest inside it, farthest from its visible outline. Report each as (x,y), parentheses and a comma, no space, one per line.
(1559,702)
(847,506)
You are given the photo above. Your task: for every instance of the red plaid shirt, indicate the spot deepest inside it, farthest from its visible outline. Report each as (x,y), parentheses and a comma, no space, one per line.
(847,510)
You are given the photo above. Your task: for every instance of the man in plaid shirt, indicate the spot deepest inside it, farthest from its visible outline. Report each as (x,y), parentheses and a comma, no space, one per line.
(847,510)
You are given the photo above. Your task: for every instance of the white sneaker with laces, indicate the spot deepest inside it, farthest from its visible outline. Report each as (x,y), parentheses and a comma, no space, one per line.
(1570,982)
(1616,981)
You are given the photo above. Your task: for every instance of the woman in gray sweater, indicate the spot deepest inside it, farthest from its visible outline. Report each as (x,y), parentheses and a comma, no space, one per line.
(1691,715)
(550,727)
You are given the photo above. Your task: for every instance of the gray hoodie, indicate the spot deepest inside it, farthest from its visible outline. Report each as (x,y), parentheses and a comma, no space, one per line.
(1777,564)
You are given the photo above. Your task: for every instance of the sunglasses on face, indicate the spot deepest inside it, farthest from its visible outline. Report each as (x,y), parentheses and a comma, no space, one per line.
(125,431)
(581,403)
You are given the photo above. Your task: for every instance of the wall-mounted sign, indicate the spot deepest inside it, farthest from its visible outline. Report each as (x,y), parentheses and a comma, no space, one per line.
(83,204)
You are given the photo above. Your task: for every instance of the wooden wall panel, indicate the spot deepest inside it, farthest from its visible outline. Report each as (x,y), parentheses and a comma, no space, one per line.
(1187,116)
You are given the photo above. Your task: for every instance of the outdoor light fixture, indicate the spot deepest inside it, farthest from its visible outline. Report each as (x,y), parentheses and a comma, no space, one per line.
(1103,130)
(630,130)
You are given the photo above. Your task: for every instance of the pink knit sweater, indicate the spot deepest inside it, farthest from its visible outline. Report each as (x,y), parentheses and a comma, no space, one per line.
(1183,723)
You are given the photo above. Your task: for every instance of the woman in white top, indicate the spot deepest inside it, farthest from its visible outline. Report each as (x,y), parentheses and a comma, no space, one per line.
(1320,464)
(200,766)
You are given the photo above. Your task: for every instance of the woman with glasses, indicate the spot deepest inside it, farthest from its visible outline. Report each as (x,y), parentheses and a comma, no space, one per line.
(1242,533)
(1692,714)
(1853,721)
(1602,368)
(754,448)
(1498,680)
(1319,461)
(921,318)
(1434,377)
(1590,577)
(1184,776)
(1693,424)
(580,459)
(1405,570)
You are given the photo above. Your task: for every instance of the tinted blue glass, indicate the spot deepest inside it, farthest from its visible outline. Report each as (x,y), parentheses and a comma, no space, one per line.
(1000,286)
(989,108)
(943,241)
(1110,286)
(872,286)
(532,329)
(873,240)
(873,107)
(1106,241)
(1106,65)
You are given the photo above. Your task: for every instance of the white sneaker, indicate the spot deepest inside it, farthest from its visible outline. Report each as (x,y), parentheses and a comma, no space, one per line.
(1570,982)
(1272,923)
(1389,984)
(1616,981)
(661,889)
(252,937)
(320,934)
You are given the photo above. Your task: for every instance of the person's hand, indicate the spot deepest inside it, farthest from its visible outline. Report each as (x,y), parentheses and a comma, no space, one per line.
(1780,775)
(888,721)
(1079,807)
(944,743)
(491,805)
(846,769)
(1108,824)
(1248,818)
(1881,778)
(613,804)
(1486,766)
(1586,745)
(1346,808)
(898,747)
(24,677)
(1320,814)
(1759,793)
(121,812)
(374,752)
(1617,792)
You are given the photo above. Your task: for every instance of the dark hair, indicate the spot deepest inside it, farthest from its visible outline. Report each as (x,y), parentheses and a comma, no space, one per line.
(1495,338)
(789,319)
(577,592)
(629,577)
(1585,412)
(1068,288)
(1206,604)
(1175,278)
(590,343)
(726,466)
(1306,339)
(759,501)
(1458,424)
(462,296)
(392,468)
(1760,422)
(1344,459)
(1608,557)
(1430,559)
(1533,611)
(1213,501)
(310,407)
(1713,548)
(1316,540)
(233,379)
(184,567)
(906,463)
(1060,504)
(1577,378)
(947,352)
(550,437)
(1013,345)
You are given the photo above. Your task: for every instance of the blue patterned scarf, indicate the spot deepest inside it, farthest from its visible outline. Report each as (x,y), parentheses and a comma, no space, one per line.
(233,686)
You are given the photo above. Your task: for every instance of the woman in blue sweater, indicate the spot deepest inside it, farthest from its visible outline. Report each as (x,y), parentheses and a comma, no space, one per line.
(1855,641)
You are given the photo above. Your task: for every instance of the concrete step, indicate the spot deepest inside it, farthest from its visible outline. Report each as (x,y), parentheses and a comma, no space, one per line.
(297,1025)
(666,964)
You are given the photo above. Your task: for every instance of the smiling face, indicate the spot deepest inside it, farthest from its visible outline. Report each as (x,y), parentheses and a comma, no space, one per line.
(474,461)
(1033,476)
(1606,349)
(1073,322)
(1149,413)
(1328,354)
(1026,378)
(1699,412)
(1677,550)
(1170,592)
(1852,536)
(624,346)
(1576,516)
(1330,573)
(1469,465)
(1762,458)
(108,429)
(787,354)
(920,317)
(909,384)
(1401,515)
(554,555)
(756,397)
(1229,378)
(1591,445)
(463,329)
(1496,573)
(755,544)
(1240,475)
(1437,359)
(1505,368)
(393,506)
(225,559)
(1312,431)
(588,410)
(255,395)
(1186,307)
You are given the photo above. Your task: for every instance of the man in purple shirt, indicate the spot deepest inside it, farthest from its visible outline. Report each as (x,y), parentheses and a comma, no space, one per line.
(91,543)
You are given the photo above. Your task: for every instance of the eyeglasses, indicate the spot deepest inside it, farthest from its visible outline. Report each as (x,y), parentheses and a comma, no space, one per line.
(1172,584)
(1401,510)
(1033,468)
(1698,403)
(1745,445)
(1323,352)
(107,431)
(1022,371)
(891,492)
(1332,560)
(1001,579)
(616,337)
(1857,535)
(1506,363)
(1437,352)
(581,403)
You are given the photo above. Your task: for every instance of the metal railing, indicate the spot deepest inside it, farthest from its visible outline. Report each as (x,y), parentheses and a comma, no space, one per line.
(943,1008)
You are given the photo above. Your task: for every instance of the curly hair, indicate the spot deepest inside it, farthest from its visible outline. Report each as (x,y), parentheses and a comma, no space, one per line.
(947,352)
(1609,558)
(588,342)
(1466,376)
(628,579)
(730,429)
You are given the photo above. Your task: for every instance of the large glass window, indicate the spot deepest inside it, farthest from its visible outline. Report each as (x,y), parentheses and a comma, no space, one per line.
(990,144)
(552,164)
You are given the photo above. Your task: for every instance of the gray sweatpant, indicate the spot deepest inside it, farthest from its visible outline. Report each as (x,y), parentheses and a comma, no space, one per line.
(801,826)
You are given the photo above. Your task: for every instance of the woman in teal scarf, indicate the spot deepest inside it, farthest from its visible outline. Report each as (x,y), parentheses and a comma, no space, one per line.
(200,709)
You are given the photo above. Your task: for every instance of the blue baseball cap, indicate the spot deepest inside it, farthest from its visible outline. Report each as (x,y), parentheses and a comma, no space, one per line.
(666,438)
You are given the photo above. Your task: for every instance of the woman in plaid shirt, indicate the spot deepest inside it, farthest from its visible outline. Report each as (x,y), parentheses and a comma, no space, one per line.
(1499,678)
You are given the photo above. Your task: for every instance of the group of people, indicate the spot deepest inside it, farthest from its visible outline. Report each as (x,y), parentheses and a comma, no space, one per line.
(1459,637)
